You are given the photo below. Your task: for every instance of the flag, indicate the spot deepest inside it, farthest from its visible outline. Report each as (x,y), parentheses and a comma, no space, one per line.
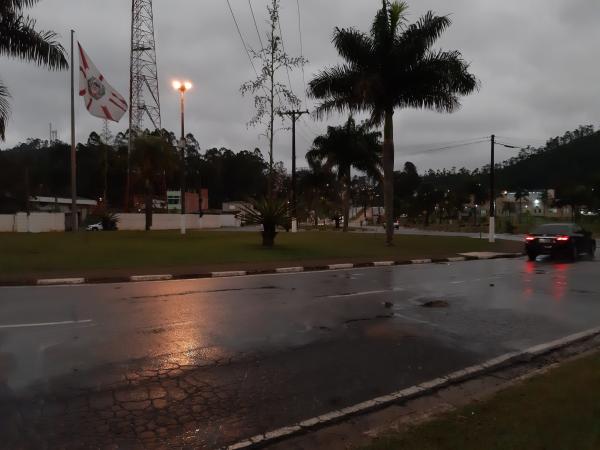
(99,97)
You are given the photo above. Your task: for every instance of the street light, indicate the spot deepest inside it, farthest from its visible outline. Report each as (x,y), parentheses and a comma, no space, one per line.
(182,87)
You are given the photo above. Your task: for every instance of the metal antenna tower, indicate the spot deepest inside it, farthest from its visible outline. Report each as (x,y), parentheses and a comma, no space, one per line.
(144,96)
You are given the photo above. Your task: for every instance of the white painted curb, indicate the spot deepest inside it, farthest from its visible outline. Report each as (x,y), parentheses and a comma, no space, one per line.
(60,281)
(289,270)
(413,391)
(458,259)
(340,266)
(234,273)
(383,263)
(421,261)
(150,277)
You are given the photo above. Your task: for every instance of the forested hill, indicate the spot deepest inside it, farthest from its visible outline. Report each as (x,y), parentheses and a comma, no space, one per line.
(573,159)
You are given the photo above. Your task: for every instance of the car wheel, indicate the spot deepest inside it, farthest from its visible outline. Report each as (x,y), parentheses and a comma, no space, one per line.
(574,254)
(531,256)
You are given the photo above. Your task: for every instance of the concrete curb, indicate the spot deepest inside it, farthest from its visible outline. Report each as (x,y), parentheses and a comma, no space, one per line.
(241,273)
(138,278)
(425,388)
(59,281)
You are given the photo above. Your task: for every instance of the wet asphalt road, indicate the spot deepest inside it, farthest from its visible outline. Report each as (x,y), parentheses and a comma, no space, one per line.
(204,363)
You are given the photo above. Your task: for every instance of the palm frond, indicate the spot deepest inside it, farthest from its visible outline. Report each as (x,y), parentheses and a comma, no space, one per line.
(20,39)
(266,212)
(354,46)
(16,5)
(397,15)
(420,36)
(438,81)
(4,109)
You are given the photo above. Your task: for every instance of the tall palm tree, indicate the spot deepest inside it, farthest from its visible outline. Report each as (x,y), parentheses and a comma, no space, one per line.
(345,147)
(20,39)
(392,67)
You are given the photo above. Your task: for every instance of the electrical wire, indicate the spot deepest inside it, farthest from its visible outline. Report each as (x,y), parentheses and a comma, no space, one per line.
(242,38)
(302,52)
(445,143)
(256,24)
(283,48)
(431,150)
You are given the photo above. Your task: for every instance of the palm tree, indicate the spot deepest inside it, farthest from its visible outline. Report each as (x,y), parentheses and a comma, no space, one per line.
(345,147)
(19,39)
(393,67)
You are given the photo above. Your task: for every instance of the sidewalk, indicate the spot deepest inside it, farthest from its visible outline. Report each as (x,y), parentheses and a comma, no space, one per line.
(419,232)
(509,407)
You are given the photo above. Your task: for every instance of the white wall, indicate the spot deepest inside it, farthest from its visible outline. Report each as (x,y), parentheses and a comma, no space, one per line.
(46,222)
(7,223)
(37,222)
(130,222)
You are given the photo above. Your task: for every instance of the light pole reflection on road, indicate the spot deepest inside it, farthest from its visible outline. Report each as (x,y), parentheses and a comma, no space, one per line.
(182,87)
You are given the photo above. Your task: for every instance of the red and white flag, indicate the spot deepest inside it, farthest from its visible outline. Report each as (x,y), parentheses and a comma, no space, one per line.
(100,99)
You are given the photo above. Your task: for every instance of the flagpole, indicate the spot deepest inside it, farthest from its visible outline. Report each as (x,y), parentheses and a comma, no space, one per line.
(74,218)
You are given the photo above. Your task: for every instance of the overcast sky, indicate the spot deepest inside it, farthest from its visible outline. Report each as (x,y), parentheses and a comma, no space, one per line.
(538,62)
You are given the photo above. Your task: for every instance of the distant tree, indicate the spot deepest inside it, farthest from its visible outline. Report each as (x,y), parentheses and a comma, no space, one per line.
(393,67)
(521,194)
(343,148)
(151,156)
(20,39)
(318,193)
(406,183)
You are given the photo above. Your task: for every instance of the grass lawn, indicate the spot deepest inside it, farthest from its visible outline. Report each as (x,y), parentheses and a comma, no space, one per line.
(556,411)
(65,253)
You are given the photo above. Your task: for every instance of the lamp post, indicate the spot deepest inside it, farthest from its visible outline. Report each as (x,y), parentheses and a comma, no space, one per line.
(182,87)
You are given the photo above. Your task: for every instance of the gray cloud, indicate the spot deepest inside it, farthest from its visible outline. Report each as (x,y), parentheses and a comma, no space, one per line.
(536,61)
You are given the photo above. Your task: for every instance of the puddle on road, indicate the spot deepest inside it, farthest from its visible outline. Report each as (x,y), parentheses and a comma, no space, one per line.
(210,291)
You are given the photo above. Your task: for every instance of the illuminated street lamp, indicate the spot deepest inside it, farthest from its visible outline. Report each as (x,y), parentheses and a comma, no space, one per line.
(182,87)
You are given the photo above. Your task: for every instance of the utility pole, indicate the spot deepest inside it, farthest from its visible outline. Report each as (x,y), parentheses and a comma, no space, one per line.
(74,224)
(295,115)
(492,230)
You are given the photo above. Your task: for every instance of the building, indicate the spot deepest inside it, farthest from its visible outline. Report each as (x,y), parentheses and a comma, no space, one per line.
(59,204)
(194,202)
(538,202)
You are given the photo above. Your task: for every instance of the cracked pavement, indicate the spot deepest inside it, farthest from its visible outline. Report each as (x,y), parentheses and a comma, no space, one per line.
(206,363)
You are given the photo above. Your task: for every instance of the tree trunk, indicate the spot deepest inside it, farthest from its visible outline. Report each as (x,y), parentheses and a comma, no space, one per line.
(268,235)
(148,205)
(388,176)
(347,200)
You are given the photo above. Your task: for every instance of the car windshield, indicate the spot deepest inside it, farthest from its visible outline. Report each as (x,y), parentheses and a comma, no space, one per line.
(553,229)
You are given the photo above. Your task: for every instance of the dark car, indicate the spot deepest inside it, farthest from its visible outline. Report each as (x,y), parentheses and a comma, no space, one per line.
(560,239)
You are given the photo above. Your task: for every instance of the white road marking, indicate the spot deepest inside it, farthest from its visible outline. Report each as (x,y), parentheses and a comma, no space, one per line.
(45,324)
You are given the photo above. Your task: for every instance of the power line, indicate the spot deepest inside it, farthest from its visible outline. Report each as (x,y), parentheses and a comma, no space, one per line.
(445,143)
(430,150)
(256,25)
(242,38)
(283,48)
(301,51)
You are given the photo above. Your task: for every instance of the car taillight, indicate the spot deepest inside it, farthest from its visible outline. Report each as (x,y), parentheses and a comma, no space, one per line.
(563,238)
(530,238)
